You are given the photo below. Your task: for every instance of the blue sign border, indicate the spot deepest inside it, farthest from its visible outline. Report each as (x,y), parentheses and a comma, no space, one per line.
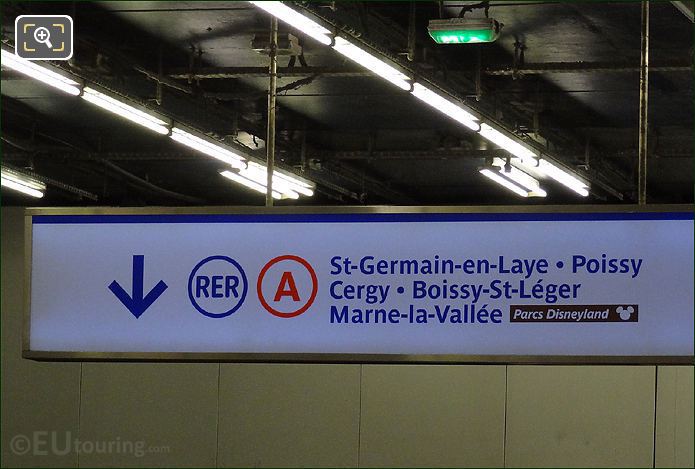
(356,217)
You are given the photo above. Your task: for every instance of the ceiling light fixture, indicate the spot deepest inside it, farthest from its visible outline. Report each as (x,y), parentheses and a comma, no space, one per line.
(341,45)
(40,73)
(297,20)
(529,160)
(258,173)
(519,177)
(372,63)
(563,177)
(209,148)
(21,183)
(445,106)
(506,143)
(293,185)
(124,110)
(238,178)
(283,183)
(495,176)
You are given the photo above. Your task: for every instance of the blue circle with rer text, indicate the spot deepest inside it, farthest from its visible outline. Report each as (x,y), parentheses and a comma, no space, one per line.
(192,277)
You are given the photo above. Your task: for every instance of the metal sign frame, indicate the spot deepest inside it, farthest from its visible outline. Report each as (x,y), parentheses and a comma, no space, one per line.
(333,357)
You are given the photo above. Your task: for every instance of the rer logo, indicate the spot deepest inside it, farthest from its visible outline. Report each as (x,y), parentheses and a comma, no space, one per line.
(217,286)
(43,37)
(287,286)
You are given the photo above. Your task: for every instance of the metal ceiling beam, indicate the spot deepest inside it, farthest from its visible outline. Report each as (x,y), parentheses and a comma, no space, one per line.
(410,155)
(583,67)
(221,73)
(378,155)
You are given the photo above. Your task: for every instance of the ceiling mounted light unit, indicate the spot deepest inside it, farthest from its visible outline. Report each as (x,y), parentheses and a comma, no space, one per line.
(124,110)
(294,18)
(37,72)
(464,31)
(563,177)
(207,147)
(507,143)
(495,175)
(519,177)
(372,63)
(292,185)
(21,182)
(251,184)
(445,106)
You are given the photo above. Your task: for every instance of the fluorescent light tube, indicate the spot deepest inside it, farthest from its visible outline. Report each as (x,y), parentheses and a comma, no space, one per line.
(506,143)
(40,73)
(372,63)
(10,184)
(295,184)
(341,45)
(251,174)
(297,20)
(281,182)
(207,147)
(124,110)
(249,183)
(547,169)
(521,178)
(563,177)
(495,176)
(21,183)
(445,106)
(259,174)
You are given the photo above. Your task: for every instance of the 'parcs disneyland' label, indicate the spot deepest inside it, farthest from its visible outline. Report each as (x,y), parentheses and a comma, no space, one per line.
(573,313)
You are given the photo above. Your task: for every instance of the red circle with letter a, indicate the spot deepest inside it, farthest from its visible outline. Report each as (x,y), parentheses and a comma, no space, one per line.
(287,286)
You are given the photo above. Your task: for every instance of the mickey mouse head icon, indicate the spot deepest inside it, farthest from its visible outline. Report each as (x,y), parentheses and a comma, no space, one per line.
(625,313)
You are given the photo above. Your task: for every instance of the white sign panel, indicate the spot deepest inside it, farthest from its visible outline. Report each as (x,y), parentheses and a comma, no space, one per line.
(363,287)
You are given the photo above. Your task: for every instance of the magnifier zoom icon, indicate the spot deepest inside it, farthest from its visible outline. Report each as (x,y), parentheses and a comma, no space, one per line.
(42,35)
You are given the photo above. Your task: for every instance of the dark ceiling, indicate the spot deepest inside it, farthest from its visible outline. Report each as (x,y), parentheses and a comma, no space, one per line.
(568,73)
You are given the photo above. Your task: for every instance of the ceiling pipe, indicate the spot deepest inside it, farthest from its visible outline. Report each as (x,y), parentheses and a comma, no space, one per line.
(222,73)
(412,31)
(582,67)
(375,155)
(272,98)
(643,107)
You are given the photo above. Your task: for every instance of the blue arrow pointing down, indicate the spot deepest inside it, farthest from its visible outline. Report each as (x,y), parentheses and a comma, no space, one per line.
(137,304)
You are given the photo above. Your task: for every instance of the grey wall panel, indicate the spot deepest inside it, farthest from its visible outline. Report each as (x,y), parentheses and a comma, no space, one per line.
(289,415)
(432,416)
(39,400)
(674,417)
(564,416)
(168,410)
